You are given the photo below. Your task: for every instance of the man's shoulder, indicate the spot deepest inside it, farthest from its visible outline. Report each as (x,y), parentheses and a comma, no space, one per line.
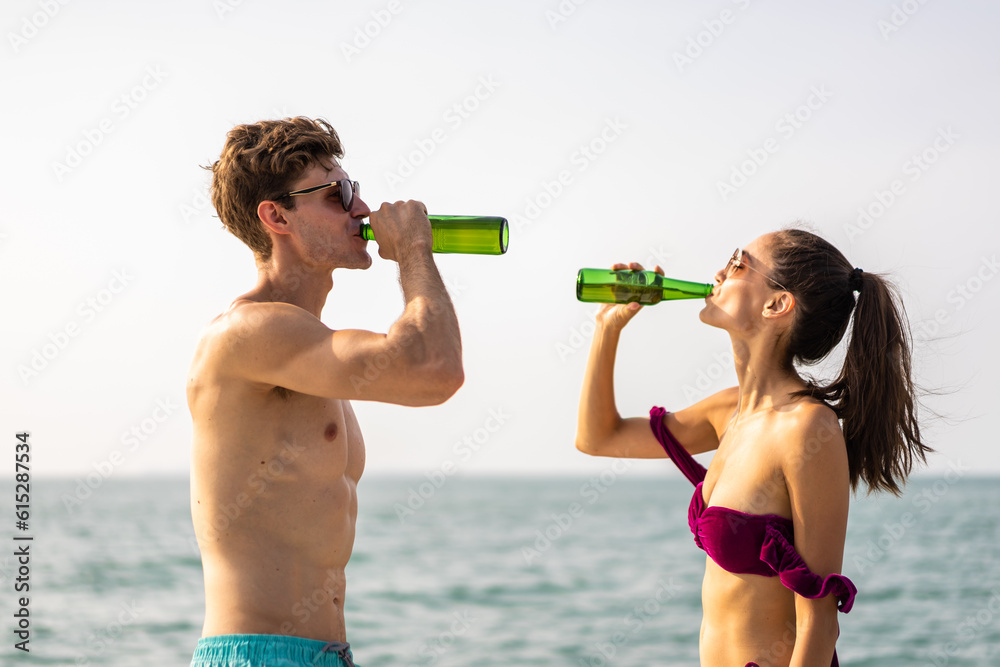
(231,344)
(247,320)
(243,329)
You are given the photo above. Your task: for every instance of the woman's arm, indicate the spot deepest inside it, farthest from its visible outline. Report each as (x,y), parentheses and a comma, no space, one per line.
(816,474)
(600,430)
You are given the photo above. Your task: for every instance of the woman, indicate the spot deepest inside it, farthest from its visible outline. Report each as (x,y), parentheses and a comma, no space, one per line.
(771,510)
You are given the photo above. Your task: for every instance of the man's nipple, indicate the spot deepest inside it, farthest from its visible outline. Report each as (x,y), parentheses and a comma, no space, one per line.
(331,431)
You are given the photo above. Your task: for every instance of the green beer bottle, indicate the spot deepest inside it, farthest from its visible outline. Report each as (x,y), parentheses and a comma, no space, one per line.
(645,287)
(464,234)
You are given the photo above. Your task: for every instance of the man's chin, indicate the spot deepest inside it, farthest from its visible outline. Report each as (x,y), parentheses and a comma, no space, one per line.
(362,263)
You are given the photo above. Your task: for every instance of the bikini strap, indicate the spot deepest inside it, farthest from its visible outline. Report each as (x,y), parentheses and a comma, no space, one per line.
(694,471)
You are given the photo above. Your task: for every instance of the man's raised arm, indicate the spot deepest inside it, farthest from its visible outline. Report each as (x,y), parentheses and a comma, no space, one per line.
(418,362)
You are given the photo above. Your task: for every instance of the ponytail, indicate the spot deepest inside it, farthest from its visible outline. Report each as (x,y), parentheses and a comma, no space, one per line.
(873,394)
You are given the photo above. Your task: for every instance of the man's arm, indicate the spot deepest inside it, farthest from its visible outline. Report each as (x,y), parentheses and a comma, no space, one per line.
(418,362)
(428,329)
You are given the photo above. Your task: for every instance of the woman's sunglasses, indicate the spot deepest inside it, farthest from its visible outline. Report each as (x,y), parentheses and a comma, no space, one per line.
(736,262)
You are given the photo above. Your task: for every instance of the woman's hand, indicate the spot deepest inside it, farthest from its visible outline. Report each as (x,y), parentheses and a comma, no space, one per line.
(614,316)
(600,430)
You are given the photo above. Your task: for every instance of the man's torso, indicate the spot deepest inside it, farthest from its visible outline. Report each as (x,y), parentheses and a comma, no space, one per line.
(273,499)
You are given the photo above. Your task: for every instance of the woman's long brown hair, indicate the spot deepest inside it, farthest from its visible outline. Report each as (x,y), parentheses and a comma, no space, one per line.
(874,393)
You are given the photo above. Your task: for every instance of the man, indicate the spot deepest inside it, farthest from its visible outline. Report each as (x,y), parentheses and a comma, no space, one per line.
(277,450)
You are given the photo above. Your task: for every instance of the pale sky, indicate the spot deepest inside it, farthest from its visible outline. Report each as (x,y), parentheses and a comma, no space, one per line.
(628,131)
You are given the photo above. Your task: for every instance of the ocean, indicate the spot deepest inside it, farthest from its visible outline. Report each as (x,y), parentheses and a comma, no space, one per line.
(501,571)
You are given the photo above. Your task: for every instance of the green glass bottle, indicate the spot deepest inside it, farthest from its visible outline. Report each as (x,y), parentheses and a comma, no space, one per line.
(645,287)
(466,234)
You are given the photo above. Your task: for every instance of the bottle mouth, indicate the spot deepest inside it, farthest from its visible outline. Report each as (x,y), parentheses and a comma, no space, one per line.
(503,236)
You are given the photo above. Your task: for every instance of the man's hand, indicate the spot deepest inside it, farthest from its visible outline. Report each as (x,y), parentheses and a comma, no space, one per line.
(401,228)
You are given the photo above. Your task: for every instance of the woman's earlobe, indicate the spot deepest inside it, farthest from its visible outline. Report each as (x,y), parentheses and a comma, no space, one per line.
(779,305)
(786,303)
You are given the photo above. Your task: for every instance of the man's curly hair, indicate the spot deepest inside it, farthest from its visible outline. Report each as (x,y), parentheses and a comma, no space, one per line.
(259,162)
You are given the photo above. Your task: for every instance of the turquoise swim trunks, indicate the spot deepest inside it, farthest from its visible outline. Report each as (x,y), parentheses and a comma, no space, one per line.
(270,651)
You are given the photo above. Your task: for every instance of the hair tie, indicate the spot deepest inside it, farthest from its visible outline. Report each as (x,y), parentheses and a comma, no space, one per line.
(854,282)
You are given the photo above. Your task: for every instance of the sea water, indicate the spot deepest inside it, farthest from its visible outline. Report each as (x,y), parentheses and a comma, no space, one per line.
(503,571)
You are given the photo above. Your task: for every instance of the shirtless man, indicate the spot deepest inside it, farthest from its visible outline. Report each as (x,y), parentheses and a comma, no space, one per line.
(277,450)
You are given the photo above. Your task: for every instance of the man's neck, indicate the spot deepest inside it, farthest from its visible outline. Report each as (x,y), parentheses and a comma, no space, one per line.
(299,285)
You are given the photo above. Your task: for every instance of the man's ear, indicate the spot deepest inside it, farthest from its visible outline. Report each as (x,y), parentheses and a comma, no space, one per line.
(780,305)
(273,217)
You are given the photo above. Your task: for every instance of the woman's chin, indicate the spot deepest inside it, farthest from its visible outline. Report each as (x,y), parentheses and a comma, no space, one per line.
(707,316)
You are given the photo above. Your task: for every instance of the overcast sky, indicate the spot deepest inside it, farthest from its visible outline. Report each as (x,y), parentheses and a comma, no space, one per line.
(659,132)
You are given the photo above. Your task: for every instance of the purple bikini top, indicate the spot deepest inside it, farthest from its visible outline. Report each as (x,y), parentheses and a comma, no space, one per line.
(744,543)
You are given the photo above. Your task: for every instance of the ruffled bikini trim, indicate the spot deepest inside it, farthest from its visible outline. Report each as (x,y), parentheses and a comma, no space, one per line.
(780,555)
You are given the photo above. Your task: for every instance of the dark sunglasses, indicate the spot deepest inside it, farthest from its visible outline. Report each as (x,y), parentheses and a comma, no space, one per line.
(348,189)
